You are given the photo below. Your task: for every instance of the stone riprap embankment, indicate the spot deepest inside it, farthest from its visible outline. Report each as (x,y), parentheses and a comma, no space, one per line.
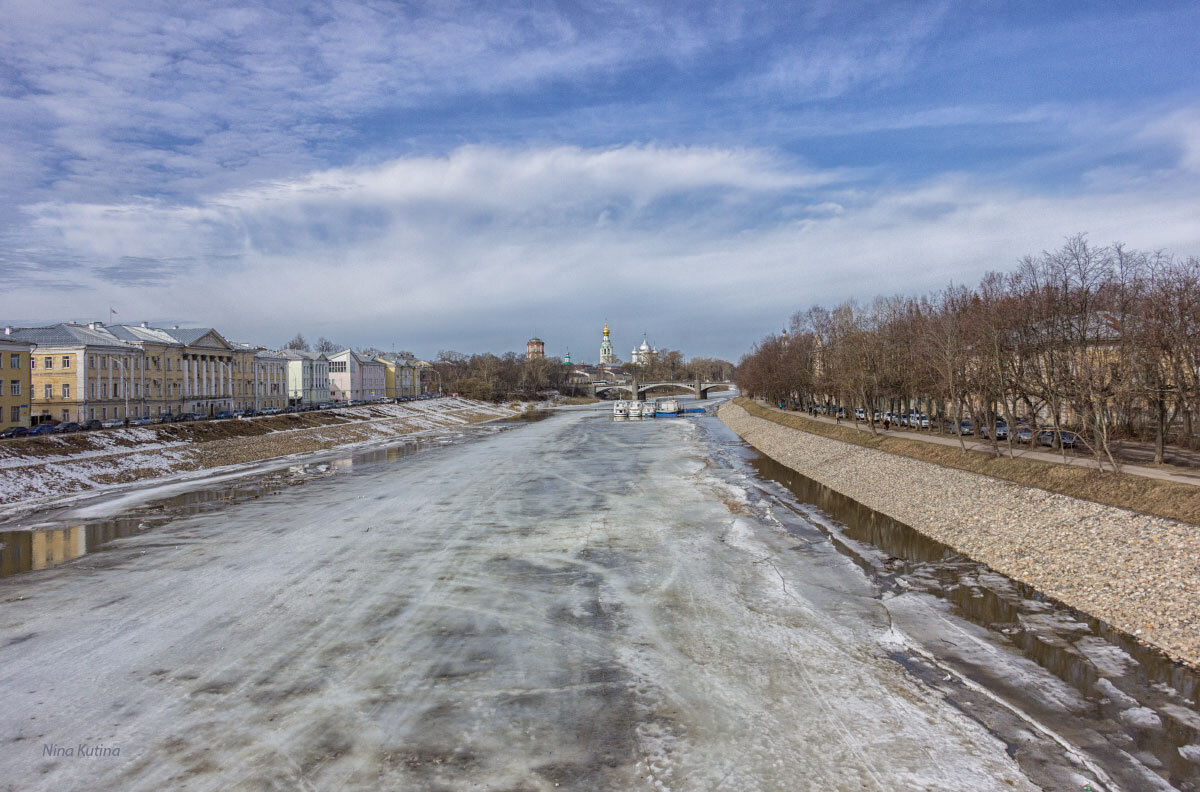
(1138,573)
(37,470)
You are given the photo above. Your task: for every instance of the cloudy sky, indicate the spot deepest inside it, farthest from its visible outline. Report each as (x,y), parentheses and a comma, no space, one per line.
(458,175)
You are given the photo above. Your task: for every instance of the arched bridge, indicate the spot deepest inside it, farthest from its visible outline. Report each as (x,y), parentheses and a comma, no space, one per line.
(698,387)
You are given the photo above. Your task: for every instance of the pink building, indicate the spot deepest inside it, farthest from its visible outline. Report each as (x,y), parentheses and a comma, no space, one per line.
(353,377)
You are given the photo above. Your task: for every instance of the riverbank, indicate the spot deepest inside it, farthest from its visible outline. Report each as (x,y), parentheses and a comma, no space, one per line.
(41,470)
(1136,572)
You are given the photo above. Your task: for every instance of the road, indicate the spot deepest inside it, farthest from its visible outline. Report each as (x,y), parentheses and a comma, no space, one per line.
(575,603)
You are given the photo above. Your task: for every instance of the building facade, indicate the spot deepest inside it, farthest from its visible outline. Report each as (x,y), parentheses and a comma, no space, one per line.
(270,381)
(16,383)
(82,372)
(399,374)
(307,377)
(374,379)
(535,349)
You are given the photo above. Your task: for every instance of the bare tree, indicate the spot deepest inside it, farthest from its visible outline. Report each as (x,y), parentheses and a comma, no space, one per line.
(297,343)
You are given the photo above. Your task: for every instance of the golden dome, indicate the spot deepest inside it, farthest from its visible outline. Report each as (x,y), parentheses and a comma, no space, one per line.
(605,327)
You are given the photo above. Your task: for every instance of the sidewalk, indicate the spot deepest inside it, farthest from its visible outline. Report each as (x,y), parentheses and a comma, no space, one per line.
(1162,473)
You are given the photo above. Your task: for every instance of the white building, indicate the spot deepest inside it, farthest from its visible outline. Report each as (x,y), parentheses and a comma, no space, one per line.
(307,377)
(641,356)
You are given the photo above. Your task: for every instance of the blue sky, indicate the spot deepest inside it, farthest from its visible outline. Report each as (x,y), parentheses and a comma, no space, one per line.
(463,175)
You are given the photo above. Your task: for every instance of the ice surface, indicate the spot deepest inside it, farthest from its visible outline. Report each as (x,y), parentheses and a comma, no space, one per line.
(574,604)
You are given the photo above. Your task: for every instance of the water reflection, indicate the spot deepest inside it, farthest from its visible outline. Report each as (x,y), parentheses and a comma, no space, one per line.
(45,547)
(1101,663)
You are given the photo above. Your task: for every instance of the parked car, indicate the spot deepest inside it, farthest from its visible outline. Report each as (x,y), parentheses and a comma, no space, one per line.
(41,429)
(68,428)
(223,416)
(183,417)
(14,431)
(143,421)
(165,418)
(113,423)
(92,424)
(964,427)
(1023,434)
(860,414)
(1068,439)
(1001,431)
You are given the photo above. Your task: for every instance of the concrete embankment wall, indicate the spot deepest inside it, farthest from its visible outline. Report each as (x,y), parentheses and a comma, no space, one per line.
(1138,573)
(43,469)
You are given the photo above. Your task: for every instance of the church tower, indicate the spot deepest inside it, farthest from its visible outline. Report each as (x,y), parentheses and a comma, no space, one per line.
(606,350)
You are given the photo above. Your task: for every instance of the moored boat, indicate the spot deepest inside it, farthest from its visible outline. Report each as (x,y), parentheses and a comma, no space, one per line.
(620,408)
(635,409)
(667,406)
(649,409)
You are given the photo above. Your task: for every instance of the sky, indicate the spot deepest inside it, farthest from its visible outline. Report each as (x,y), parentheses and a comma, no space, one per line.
(464,175)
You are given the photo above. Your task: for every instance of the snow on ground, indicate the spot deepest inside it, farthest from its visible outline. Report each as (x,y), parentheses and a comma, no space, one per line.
(106,459)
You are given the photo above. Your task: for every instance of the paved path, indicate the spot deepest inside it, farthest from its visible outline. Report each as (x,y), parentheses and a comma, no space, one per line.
(1164,472)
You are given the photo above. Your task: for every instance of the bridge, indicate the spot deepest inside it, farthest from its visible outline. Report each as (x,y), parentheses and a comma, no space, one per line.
(638,390)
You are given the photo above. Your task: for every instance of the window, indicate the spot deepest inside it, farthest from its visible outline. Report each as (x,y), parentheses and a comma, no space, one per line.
(48,391)
(103,413)
(66,361)
(91,361)
(104,361)
(104,390)
(48,362)
(92,390)
(66,391)
(15,414)
(14,361)
(14,388)
(66,415)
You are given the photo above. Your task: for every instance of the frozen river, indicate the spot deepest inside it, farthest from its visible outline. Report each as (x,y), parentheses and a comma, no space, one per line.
(574,603)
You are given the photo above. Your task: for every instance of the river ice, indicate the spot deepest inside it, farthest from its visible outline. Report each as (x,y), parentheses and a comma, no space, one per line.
(577,603)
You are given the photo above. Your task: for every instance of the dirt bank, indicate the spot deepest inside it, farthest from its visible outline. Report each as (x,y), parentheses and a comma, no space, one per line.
(1139,573)
(41,469)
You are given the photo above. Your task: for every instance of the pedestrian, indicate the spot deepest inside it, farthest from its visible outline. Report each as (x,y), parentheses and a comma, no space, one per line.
(887,422)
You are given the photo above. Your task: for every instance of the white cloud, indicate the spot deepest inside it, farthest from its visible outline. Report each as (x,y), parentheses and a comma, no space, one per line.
(479,241)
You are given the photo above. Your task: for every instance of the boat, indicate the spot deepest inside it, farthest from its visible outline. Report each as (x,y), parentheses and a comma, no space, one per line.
(635,409)
(649,409)
(667,406)
(620,408)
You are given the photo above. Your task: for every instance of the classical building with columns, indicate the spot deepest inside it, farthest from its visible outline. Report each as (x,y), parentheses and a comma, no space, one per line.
(210,376)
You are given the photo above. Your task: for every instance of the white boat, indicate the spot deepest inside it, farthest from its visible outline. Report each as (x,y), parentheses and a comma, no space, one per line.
(621,408)
(635,409)
(667,407)
(649,408)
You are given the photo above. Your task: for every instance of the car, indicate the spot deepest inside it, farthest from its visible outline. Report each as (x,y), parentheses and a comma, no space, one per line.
(142,421)
(964,427)
(223,416)
(860,414)
(42,429)
(165,418)
(1068,439)
(187,416)
(14,431)
(92,424)
(68,428)
(1023,434)
(113,423)
(1001,431)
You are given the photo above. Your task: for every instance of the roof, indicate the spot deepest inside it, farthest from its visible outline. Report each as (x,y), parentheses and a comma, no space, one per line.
(67,334)
(138,334)
(301,354)
(190,335)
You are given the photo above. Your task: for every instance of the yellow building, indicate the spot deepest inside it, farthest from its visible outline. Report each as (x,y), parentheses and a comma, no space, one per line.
(82,372)
(16,383)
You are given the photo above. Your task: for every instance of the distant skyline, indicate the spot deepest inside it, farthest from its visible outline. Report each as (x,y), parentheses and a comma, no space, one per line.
(463,176)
